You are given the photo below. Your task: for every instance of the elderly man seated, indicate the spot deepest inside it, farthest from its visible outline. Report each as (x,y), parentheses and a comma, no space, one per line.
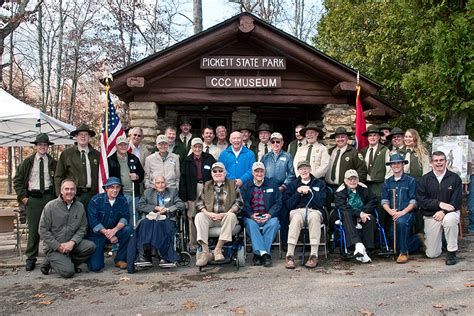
(305,197)
(157,230)
(108,216)
(218,205)
(357,204)
(262,205)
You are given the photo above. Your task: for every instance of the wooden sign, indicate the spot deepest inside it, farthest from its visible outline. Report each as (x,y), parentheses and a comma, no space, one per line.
(243,82)
(243,62)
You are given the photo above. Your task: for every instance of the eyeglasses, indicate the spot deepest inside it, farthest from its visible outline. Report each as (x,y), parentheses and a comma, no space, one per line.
(217,171)
(137,135)
(276,141)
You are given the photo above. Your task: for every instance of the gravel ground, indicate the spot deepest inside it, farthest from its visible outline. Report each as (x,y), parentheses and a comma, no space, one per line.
(420,287)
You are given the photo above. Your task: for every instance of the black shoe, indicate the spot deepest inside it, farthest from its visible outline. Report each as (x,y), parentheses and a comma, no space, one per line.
(267,260)
(451,258)
(143,262)
(257,260)
(45,268)
(30,265)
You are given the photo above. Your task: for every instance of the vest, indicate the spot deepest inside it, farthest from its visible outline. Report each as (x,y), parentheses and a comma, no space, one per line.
(208,194)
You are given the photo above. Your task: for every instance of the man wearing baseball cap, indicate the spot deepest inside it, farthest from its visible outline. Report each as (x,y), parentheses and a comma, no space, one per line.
(399,201)
(34,187)
(262,205)
(108,217)
(164,163)
(81,164)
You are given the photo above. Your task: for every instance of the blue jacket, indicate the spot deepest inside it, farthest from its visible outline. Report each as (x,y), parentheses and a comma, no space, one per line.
(100,214)
(405,192)
(271,196)
(293,199)
(279,167)
(240,167)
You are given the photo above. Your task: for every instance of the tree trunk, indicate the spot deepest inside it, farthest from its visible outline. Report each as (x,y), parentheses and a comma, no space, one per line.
(40,59)
(197,16)
(454,123)
(12,56)
(59,60)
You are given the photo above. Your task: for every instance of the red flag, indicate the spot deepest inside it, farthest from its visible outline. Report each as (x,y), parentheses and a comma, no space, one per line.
(111,129)
(361,141)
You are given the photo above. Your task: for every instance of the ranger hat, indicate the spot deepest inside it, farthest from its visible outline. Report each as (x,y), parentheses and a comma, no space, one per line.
(303,163)
(42,138)
(395,158)
(111,181)
(395,131)
(264,127)
(384,126)
(83,128)
(351,173)
(339,131)
(311,126)
(372,129)
(258,165)
(245,129)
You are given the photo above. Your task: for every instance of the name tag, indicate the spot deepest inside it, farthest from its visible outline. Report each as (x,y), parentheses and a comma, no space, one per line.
(316,189)
(283,158)
(172,162)
(269,190)
(167,199)
(207,167)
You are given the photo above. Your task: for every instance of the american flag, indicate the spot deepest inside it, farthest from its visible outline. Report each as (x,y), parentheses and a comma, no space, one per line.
(111,129)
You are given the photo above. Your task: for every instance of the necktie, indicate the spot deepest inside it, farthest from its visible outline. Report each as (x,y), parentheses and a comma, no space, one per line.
(184,141)
(266,148)
(409,150)
(308,155)
(207,149)
(334,165)
(371,159)
(299,144)
(41,166)
(84,166)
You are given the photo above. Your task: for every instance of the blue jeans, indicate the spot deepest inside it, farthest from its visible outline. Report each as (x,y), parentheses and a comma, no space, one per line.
(407,242)
(262,235)
(470,204)
(96,261)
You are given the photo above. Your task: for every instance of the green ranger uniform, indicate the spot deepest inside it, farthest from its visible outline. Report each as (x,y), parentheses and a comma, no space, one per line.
(70,167)
(350,159)
(37,199)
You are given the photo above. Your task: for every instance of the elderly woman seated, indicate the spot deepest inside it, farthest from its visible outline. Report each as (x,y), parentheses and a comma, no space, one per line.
(357,204)
(157,230)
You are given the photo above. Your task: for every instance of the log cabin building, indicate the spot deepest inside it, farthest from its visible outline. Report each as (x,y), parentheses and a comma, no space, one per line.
(240,73)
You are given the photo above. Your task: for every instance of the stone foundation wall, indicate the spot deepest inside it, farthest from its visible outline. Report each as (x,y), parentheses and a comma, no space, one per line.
(143,114)
(243,118)
(337,115)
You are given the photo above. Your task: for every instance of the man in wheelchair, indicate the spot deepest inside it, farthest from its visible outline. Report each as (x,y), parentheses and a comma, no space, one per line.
(356,204)
(217,206)
(157,230)
(262,205)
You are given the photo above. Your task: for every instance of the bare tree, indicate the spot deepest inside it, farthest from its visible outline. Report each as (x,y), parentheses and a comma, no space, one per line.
(197,16)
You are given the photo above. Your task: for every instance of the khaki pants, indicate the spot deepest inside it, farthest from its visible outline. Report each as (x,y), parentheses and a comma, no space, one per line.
(203,223)
(191,213)
(297,219)
(434,233)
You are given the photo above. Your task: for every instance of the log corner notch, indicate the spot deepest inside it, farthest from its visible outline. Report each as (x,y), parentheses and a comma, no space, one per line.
(344,88)
(246,24)
(136,82)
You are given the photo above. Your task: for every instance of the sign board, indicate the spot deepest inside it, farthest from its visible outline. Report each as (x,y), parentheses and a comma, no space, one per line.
(243,62)
(456,150)
(243,82)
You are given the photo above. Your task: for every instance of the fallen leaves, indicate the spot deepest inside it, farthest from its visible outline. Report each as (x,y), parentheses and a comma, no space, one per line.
(349,272)
(124,278)
(231,289)
(188,305)
(357,285)
(239,310)
(46,302)
(412,271)
(97,302)
(366,312)
(39,295)
(429,286)
(438,305)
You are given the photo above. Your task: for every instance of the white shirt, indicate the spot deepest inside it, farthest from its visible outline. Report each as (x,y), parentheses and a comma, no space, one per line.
(34,180)
(261,149)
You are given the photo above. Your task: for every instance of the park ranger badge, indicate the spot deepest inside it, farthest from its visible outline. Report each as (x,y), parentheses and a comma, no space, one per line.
(347,159)
(360,156)
(95,162)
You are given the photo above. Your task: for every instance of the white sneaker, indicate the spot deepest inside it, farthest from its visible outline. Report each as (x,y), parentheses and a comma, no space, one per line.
(365,259)
(359,250)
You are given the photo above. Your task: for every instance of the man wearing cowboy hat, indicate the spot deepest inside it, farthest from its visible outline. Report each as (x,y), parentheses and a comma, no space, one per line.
(399,201)
(385,129)
(313,151)
(247,140)
(108,217)
(185,136)
(81,164)
(263,147)
(396,139)
(343,158)
(34,187)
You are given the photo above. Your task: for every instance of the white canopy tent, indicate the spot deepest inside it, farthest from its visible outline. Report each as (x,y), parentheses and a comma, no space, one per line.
(20,123)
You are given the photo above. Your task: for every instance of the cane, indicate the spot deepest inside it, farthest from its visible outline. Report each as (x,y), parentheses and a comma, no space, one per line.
(394,195)
(306,228)
(132,169)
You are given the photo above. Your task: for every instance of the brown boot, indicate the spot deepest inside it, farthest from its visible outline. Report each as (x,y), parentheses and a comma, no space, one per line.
(202,258)
(312,262)
(402,258)
(121,264)
(290,262)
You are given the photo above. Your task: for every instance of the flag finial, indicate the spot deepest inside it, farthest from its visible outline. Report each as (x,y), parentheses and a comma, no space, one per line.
(106,79)
(357,77)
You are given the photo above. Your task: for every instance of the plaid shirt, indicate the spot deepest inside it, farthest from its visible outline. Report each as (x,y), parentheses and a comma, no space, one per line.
(257,202)
(219,198)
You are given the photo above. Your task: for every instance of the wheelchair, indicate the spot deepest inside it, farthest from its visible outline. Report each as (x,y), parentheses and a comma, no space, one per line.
(179,244)
(338,236)
(233,251)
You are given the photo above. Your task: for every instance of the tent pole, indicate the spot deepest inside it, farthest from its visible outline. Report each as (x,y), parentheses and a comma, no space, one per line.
(10,178)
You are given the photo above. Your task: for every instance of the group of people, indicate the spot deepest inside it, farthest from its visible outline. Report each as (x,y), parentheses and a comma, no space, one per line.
(214,181)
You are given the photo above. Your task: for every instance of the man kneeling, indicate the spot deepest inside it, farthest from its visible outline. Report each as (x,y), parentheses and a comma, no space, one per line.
(218,205)
(65,249)
(262,204)
(305,196)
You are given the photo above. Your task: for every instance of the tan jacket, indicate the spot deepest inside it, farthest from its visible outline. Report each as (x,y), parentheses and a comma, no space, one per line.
(319,159)
(169,168)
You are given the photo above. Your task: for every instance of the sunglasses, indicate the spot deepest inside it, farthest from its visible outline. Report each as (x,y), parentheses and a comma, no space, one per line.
(217,171)
(137,135)
(276,141)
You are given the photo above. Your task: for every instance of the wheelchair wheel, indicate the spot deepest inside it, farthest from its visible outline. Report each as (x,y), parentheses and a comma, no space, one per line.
(185,259)
(241,257)
(236,263)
